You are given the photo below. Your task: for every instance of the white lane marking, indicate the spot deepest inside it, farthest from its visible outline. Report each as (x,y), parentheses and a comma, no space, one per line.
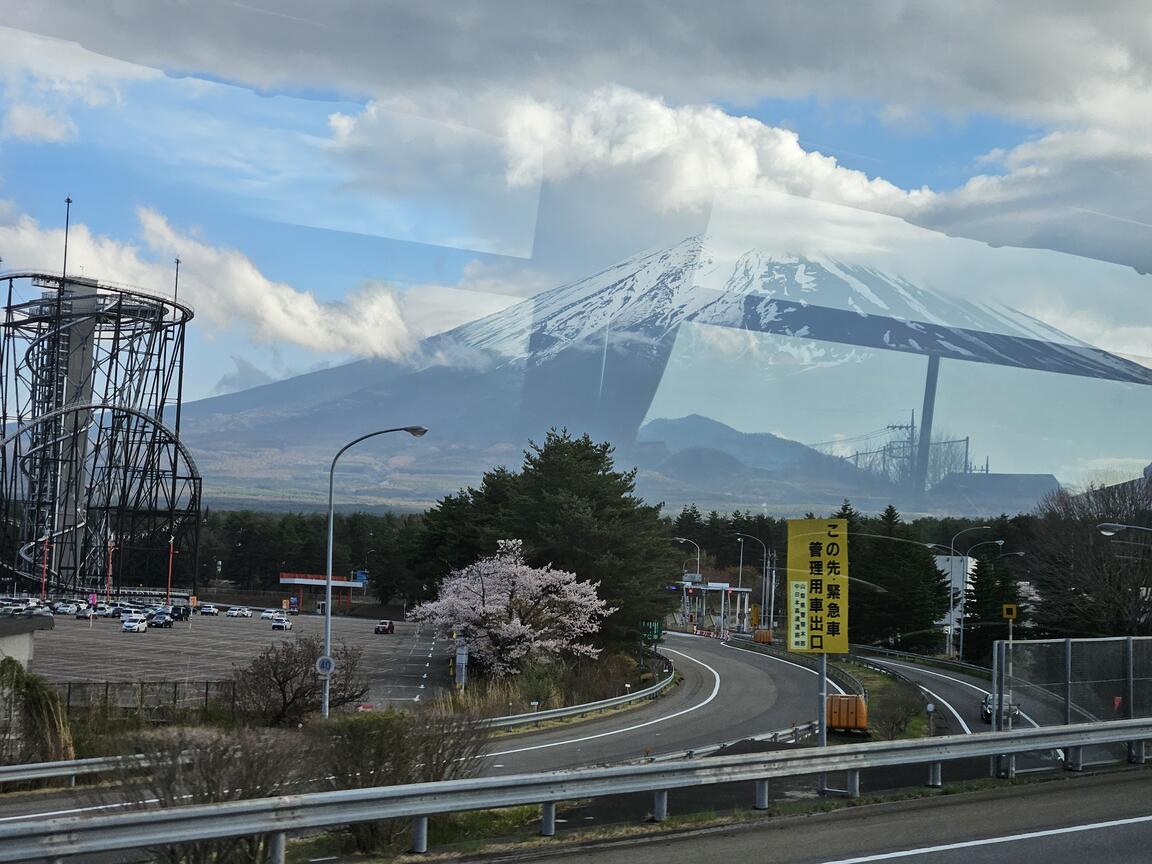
(947,705)
(715,692)
(782,660)
(980,690)
(993,841)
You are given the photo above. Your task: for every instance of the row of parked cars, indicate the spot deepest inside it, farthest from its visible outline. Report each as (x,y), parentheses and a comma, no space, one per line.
(278,617)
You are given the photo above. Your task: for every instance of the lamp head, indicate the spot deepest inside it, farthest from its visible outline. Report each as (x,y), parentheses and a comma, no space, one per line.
(1110,528)
(1000,543)
(416,431)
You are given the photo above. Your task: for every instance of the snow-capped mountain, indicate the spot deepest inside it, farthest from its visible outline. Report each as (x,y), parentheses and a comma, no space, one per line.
(644,299)
(590,355)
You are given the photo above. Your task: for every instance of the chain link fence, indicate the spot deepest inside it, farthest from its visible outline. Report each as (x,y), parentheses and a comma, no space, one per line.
(1047,682)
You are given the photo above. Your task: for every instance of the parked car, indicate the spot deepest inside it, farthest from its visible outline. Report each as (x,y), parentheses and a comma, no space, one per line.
(268,614)
(209,609)
(86,612)
(160,619)
(987,707)
(181,613)
(134,624)
(239,612)
(385,626)
(281,622)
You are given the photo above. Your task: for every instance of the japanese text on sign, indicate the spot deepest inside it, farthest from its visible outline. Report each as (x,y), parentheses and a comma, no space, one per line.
(818,585)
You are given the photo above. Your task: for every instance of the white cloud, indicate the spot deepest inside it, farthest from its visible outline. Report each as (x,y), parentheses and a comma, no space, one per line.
(683,154)
(33,123)
(225,287)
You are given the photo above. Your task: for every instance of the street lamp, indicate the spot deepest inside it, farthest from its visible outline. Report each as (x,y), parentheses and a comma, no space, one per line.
(697,545)
(763,580)
(415,432)
(1110,528)
(952,579)
(967,557)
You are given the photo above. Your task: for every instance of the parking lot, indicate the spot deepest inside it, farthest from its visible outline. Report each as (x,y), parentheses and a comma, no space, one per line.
(400,667)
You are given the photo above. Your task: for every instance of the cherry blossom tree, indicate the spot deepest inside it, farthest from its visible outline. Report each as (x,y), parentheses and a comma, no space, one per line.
(508,612)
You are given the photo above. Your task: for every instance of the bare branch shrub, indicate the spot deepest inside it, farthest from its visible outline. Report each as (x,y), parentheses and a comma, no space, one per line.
(281,687)
(205,766)
(900,705)
(386,748)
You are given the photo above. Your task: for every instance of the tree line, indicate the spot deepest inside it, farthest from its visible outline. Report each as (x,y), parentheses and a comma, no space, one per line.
(573,509)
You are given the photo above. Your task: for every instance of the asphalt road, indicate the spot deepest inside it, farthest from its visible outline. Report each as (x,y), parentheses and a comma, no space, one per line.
(957,697)
(727,694)
(1106,817)
(400,667)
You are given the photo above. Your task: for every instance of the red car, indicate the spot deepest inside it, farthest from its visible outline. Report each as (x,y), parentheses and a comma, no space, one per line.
(385,626)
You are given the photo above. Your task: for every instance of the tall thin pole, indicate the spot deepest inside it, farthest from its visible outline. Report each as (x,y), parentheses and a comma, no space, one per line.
(171,555)
(740,567)
(772,594)
(416,432)
(952,580)
(67,225)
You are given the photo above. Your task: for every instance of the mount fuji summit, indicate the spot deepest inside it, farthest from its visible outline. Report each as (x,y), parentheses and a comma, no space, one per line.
(590,356)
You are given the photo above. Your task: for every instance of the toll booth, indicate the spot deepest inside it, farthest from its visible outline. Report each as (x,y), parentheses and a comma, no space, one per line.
(715,605)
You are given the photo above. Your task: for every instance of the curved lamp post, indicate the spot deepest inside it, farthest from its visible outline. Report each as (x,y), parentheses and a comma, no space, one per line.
(763,581)
(1110,528)
(694,543)
(963,599)
(952,579)
(415,432)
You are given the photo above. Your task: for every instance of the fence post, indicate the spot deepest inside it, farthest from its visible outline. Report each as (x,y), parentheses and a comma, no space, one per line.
(68,698)
(548,819)
(761,795)
(1067,682)
(420,834)
(1135,748)
(206,686)
(660,806)
(277,846)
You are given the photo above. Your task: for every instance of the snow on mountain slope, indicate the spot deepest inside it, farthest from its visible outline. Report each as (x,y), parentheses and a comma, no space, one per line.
(645,297)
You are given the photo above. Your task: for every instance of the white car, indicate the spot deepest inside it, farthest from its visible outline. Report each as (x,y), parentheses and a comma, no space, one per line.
(134,624)
(238,612)
(268,614)
(281,622)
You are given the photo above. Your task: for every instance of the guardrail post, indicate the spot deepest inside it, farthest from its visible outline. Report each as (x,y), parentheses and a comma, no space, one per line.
(420,834)
(1074,759)
(277,847)
(935,775)
(854,784)
(761,795)
(548,819)
(660,806)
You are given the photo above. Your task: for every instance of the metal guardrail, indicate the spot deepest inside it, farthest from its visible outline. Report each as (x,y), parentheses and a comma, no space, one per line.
(107,764)
(846,680)
(924,660)
(54,838)
(54,770)
(533,717)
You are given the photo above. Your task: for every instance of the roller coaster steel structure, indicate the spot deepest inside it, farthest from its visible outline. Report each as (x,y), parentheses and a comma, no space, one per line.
(96,490)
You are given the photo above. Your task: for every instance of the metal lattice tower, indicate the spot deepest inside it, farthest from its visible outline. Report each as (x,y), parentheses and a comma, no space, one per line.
(96,486)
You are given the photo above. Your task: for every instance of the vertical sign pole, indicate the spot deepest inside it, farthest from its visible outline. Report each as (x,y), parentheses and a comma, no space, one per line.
(822,713)
(1067,682)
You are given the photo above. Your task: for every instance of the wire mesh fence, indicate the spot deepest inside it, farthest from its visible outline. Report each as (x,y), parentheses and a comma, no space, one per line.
(1045,682)
(154,700)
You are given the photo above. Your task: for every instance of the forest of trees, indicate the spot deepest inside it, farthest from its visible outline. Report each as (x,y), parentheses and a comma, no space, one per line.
(574,509)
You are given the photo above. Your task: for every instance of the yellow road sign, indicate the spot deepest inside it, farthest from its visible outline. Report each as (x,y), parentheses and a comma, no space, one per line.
(818,586)
(1009,612)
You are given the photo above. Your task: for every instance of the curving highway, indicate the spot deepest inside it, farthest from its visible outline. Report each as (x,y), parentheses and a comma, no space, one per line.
(727,694)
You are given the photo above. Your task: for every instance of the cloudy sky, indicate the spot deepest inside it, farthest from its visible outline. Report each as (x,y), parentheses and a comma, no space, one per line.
(343,178)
